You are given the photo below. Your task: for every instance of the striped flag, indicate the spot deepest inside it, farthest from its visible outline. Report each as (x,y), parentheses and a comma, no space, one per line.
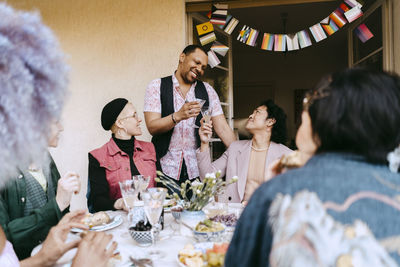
(244,34)
(206,33)
(353,14)
(292,42)
(252,37)
(219,48)
(268,41)
(280,42)
(218,16)
(304,39)
(363,33)
(337,17)
(329,26)
(317,32)
(213,60)
(230,24)
(353,3)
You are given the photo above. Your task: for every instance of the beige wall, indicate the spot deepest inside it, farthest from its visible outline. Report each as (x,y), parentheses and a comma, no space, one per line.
(115,48)
(396,36)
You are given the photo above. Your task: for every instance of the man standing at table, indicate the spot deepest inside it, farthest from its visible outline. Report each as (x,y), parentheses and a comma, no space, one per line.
(170,111)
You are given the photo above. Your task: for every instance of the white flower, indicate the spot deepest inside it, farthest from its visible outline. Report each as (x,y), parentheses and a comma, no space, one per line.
(198,191)
(235,178)
(210,175)
(196,183)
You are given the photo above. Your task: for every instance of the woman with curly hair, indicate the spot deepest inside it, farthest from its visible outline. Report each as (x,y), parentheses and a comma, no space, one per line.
(247,159)
(33,84)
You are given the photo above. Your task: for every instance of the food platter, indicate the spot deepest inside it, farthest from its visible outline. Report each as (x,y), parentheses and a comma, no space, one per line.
(115,221)
(201,249)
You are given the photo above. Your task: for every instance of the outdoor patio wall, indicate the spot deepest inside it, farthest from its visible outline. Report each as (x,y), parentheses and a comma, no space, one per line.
(115,48)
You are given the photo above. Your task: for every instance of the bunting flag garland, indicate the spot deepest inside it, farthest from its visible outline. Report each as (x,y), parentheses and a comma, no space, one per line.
(329,26)
(219,15)
(219,48)
(280,42)
(292,42)
(337,17)
(230,24)
(317,32)
(268,41)
(304,39)
(353,14)
(206,33)
(347,12)
(363,33)
(213,60)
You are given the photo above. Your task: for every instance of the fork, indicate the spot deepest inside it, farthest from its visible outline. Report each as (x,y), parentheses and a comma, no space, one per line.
(141,262)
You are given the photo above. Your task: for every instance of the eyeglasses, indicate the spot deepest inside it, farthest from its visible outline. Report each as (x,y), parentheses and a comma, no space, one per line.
(135,116)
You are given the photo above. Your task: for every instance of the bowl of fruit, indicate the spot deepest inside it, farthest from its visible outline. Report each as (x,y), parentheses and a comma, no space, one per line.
(209,231)
(141,233)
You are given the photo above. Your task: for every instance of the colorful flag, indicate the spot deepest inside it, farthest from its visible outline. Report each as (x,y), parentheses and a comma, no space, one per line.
(268,41)
(317,32)
(204,28)
(208,38)
(219,48)
(338,18)
(252,37)
(343,8)
(353,3)
(304,39)
(218,16)
(213,60)
(353,14)
(280,42)
(292,42)
(329,26)
(230,24)
(363,33)
(244,34)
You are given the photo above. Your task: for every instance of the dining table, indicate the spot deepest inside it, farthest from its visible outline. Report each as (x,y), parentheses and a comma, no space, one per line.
(171,240)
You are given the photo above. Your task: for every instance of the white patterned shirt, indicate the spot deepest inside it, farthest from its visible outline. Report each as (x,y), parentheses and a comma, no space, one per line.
(183,139)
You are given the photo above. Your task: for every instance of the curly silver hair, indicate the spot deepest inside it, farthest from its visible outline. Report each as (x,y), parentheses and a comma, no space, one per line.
(33,84)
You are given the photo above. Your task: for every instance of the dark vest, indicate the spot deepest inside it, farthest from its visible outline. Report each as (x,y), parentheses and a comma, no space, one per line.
(161,141)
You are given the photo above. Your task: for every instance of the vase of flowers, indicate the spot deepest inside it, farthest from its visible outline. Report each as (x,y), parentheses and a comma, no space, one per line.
(195,195)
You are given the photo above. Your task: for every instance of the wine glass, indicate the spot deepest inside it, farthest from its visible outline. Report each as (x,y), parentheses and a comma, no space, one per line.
(141,182)
(153,205)
(128,192)
(201,103)
(206,112)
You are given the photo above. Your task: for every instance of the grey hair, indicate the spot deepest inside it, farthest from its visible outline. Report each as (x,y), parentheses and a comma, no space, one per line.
(33,85)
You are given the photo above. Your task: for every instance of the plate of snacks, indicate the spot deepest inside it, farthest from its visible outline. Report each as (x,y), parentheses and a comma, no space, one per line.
(207,254)
(100,221)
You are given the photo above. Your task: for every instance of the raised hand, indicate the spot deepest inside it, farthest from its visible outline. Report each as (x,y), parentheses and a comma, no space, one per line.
(67,185)
(188,110)
(205,131)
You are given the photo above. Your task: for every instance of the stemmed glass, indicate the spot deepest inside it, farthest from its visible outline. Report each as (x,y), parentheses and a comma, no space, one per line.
(153,204)
(201,103)
(141,183)
(206,112)
(128,192)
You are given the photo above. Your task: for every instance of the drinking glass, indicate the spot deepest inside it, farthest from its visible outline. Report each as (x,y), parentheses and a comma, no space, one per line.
(128,192)
(206,112)
(141,183)
(201,103)
(153,205)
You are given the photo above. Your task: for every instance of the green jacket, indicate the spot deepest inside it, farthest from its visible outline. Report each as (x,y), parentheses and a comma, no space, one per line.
(27,232)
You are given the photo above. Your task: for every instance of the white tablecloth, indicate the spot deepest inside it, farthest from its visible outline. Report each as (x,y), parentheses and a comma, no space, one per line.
(171,242)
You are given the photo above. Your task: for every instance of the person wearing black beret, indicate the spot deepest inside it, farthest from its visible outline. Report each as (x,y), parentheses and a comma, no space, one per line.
(120,158)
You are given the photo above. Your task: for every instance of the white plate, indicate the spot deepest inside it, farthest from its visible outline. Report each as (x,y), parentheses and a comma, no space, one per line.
(202,247)
(115,221)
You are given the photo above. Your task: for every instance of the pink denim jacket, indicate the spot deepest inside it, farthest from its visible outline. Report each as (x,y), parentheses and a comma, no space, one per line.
(117,166)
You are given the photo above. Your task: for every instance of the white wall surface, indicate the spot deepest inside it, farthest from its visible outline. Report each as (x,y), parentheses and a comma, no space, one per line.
(115,48)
